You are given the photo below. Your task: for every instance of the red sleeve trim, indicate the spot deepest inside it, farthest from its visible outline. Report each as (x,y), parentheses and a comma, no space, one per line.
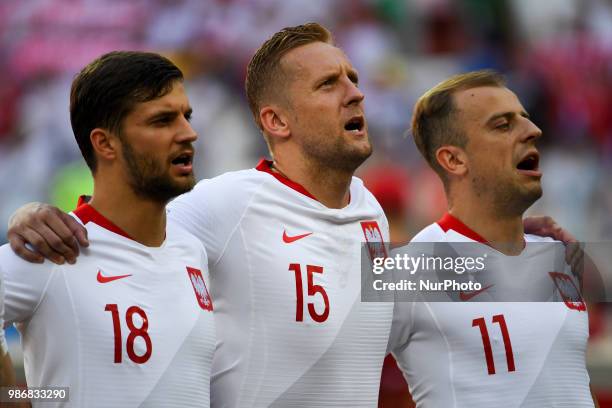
(448,222)
(86,213)
(266,166)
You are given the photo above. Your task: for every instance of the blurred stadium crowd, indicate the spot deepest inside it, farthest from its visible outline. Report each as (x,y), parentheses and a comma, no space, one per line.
(557,55)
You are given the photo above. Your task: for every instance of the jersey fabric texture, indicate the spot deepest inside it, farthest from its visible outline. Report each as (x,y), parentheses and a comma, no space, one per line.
(536,349)
(126,326)
(285,270)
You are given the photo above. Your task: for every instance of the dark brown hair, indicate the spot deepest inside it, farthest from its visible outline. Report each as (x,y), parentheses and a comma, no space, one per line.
(108,88)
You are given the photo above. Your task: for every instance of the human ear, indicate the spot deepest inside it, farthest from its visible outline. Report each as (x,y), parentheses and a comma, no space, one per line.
(274,121)
(105,145)
(452,159)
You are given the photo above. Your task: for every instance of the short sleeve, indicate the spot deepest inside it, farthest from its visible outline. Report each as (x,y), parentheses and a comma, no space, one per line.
(3,344)
(23,285)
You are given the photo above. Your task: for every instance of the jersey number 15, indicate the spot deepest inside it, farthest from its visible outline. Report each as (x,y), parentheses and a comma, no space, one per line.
(313,289)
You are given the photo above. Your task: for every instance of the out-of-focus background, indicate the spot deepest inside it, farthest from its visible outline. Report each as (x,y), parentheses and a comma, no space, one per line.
(557,55)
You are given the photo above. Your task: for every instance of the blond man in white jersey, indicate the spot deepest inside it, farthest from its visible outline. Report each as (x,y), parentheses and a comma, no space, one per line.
(131,324)
(474,132)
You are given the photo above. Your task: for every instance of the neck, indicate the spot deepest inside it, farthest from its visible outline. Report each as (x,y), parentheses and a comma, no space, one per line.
(328,185)
(143,220)
(503,232)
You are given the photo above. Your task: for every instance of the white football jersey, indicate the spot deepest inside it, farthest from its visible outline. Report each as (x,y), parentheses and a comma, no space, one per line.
(126,326)
(285,275)
(492,354)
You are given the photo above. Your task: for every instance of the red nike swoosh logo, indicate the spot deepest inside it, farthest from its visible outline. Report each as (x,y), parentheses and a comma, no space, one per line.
(467,296)
(105,279)
(287,239)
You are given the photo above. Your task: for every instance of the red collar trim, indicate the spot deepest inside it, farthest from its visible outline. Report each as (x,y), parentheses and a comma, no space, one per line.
(448,222)
(87,213)
(83,199)
(266,166)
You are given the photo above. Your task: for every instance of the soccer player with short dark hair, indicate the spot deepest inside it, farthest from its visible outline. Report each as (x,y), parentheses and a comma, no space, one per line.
(131,323)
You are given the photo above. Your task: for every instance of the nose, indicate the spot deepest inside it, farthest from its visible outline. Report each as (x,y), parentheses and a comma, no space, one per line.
(186,133)
(532,132)
(354,96)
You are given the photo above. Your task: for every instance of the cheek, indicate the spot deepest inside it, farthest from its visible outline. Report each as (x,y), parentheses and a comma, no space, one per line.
(321,109)
(318,122)
(488,164)
(496,155)
(157,142)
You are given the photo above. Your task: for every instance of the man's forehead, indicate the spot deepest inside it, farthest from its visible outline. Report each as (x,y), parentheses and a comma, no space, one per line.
(175,99)
(314,58)
(483,100)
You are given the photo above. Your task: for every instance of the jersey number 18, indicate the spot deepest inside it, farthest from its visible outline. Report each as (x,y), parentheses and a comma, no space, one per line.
(134,333)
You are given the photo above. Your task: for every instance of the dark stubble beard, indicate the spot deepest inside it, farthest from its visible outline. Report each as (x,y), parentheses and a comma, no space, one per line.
(150,180)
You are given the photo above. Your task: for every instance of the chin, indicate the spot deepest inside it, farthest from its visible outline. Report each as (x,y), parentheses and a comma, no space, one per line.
(361,153)
(164,189)
(363,148)
(185,184)
(535,191)
(528,198)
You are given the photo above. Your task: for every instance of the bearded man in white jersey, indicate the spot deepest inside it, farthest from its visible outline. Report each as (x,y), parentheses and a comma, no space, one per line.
(474,132)
(283,239)
(131,324)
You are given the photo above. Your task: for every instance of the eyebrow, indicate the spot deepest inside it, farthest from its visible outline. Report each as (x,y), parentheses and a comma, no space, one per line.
(335,74)
(168,113)
(507,115)
(327,76)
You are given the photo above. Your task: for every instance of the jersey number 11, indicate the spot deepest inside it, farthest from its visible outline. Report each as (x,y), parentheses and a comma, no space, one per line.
(486,342)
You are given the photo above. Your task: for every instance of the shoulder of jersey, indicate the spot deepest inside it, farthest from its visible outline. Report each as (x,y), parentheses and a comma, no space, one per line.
(94,230)
(358,190)
(356,182)
(235,187)
(180,235)
(537,238)
(9,261)
(178,232)
(231,184)
(90,226)
(431,233)
(174,232)
(242,183)
(435,233)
